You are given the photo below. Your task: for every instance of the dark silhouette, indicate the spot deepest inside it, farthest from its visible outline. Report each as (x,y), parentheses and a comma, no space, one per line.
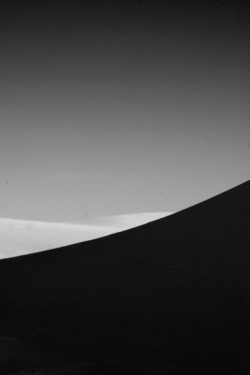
(169,297)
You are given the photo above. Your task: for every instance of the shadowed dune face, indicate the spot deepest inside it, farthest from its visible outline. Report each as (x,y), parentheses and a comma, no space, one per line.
(168,297)
(20,237)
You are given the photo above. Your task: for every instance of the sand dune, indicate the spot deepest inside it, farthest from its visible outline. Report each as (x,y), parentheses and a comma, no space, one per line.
(20,237)
(169,297)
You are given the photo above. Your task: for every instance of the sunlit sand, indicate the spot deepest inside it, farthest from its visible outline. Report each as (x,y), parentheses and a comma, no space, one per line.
(20,237)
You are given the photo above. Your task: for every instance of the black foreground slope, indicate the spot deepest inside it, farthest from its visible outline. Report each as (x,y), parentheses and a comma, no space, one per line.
(169,297)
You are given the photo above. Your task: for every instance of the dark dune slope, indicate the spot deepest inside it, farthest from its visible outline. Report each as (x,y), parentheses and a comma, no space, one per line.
(169,297)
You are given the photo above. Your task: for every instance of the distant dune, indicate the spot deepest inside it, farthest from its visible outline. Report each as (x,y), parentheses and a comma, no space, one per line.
(20,237)
(168,297)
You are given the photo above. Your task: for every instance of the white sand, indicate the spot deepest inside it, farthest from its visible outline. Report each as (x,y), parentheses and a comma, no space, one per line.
(19,237)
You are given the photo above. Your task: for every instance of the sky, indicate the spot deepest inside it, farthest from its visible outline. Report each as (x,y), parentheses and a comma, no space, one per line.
(111,107)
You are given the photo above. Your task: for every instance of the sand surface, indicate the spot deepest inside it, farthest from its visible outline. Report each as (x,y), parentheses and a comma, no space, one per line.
(20,237)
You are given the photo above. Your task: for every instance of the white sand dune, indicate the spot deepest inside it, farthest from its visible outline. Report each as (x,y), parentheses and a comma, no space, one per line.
(128,220)
(20,237)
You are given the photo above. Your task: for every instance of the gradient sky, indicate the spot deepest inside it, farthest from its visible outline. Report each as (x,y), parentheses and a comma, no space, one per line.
(110,108)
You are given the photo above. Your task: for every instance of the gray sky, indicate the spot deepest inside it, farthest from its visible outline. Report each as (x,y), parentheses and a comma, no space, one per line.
(105,110)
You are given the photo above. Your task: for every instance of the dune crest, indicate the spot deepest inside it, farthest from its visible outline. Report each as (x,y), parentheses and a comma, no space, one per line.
(20,237)
(168,297)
